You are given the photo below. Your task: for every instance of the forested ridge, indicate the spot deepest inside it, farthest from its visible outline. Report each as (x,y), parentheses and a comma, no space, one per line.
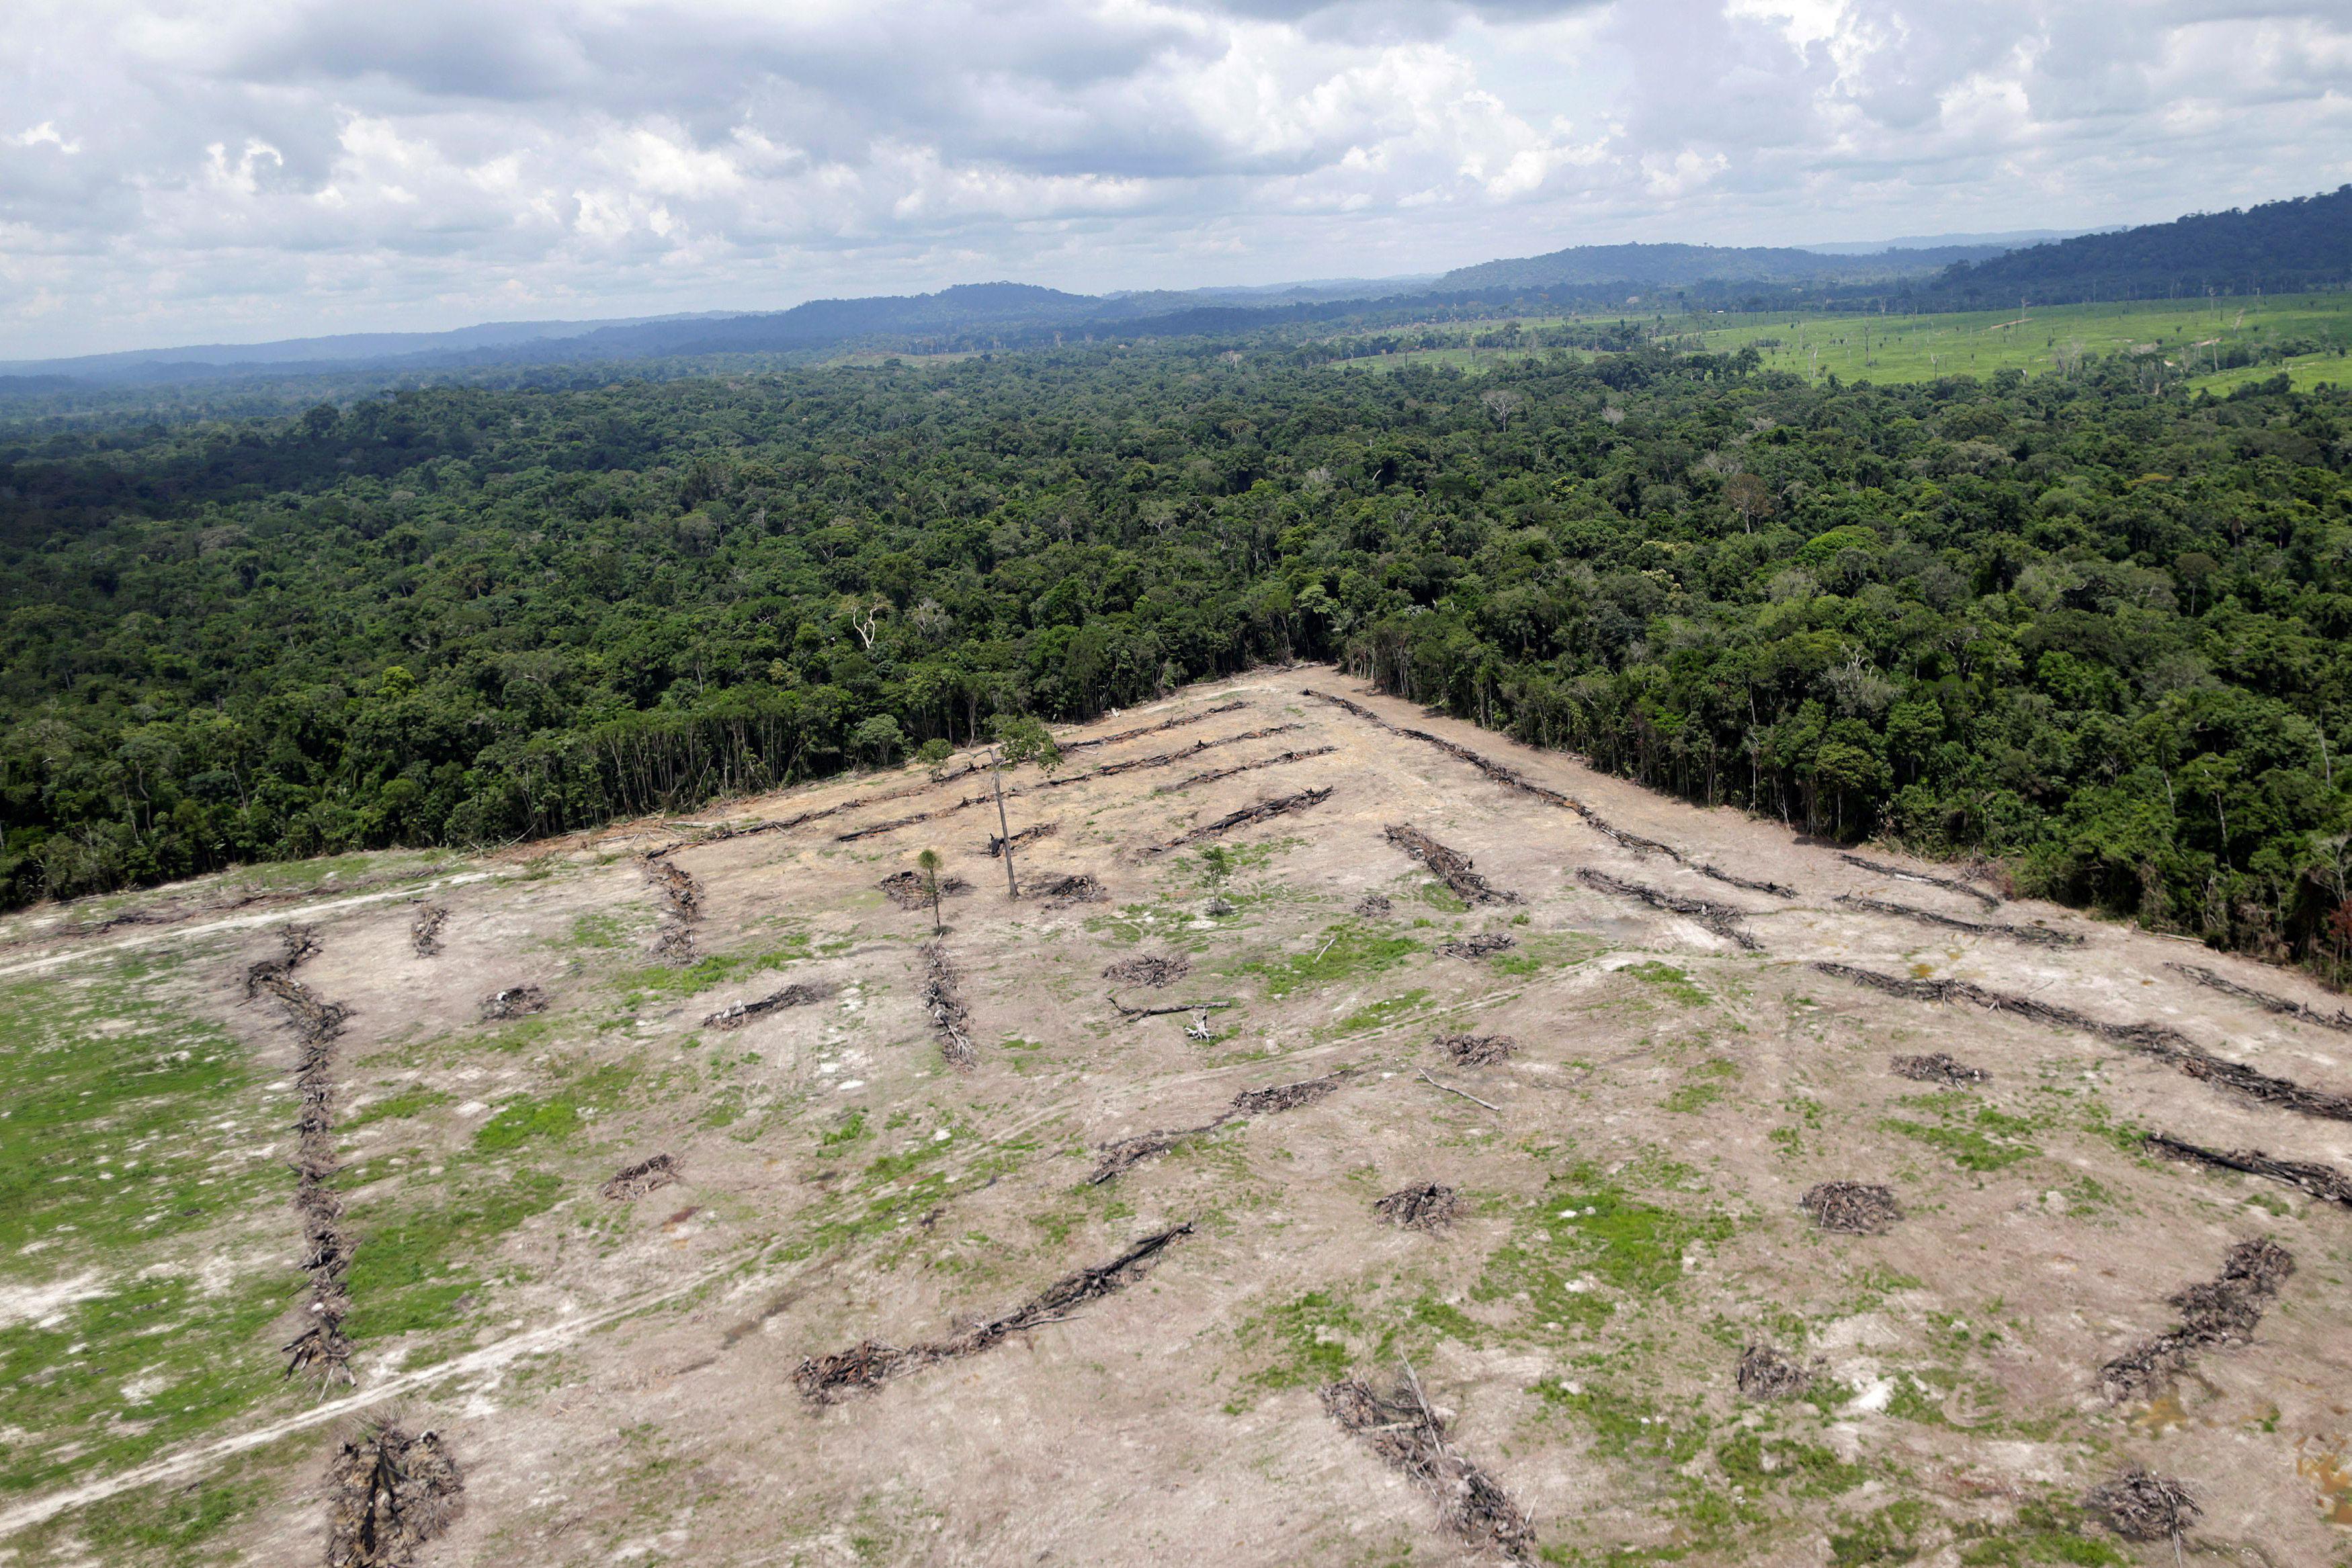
(2092,632)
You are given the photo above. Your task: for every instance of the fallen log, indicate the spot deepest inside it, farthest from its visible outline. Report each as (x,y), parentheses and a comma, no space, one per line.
(2038,935)
(1264,810)
(2321,1181)
(1946,884)
(1450,866)
(2267,1000)
(1715,918)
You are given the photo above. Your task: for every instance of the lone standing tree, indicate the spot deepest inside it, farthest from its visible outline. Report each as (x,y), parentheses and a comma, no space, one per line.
(1019,739)
(928,863)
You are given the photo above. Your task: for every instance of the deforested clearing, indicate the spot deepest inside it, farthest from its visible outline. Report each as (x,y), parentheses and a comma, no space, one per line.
(1267,1198)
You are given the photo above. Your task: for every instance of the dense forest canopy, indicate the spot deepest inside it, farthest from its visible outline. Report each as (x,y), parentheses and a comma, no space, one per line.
(2094,630)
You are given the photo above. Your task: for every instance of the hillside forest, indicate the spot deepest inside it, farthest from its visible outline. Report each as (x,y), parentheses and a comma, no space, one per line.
(2087,629)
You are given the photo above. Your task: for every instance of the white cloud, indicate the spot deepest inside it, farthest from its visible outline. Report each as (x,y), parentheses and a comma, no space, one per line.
(222,169)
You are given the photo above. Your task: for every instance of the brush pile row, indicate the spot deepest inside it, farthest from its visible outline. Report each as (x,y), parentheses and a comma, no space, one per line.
(1484,945)
(387,1495)
(1410,1436)
(1427,1206)
(1125,1154)
(2214,1313)
(514,1002)
(2158,1040)
(1180,720)
(2035,935)
(1719,918)
(1081,887)
(2270,1002)
(681,898)
(2321,1181)
(907,890)
(2139,1505)
(322,1348)
(1213,774)
(1938,1067)
(827,1379)
(1450,866)
(944,1001)
(297,944)
(1476,1049)
(1765,1374)
(737,1014)
(1030,835)
(1149,970)
(1281,805)
(1946,884)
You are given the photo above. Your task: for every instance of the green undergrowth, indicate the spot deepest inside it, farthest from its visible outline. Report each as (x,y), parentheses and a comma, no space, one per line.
(425,1258)
(1665,978)
(1974,1135)
(1347,950)
(558,1116)
(655,982)
(1587,1232)
(1378,1015)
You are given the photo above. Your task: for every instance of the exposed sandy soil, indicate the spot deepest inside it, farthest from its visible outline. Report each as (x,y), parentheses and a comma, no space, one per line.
(619,1385)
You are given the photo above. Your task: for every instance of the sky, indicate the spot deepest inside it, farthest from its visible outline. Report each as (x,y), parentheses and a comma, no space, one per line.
(236,171)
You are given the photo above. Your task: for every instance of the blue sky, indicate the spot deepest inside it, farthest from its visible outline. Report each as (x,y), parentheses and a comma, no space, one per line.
(241,170)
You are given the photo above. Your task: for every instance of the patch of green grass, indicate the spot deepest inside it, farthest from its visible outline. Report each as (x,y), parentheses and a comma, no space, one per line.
(1980,1139)
(2043,1532)
(1349,950)
(1674,982)
(1308,1339)
(1705,1086)
(1587,1225)
(1887,1536)
(598,931)
(1379,1014)
(409,1101)
(1437,896)
(1803,1469)
(656,981)
(557,1117)
(420,1250)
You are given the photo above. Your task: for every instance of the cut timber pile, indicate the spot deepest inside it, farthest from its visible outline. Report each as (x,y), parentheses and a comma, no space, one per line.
(1938,1067)
(424,931)
(944,1001)
(1476,1049)
(2214,1313)
(1765,1373)
(1451,866)
(514,1002)
(905,888)
(826,1379)
(2268,1001)
(2321,1181)
(1946,884)
(1854,1207)
(644,1177)
(322,1347)
(1719,918)
(2037,935)
(1177,723)
(1287,1096)
(1401,1427)
(2158,1040)
(1484,945)
(2141,1506)
(300,944)
(387,1495)
(1149,970)
(1084,887)
(1373,904)
(735,1015)
(1429,1205)
(1279,805)
(681,898)
(1124,1154)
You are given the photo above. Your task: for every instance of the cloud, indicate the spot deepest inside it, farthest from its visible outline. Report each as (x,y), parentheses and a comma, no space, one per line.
(227,169)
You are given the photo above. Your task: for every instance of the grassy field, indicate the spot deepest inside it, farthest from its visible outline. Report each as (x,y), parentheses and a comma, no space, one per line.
(2180,335)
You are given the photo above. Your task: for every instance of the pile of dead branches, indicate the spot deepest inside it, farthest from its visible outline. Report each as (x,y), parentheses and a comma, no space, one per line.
(1938,1067)
(737,1014)
(313,1016)
(1030,835)
(1213,774)
(322,1348)
(1721,919)
(2321,1181)
(1451,866)
(2035,935)
(387,1495)
(1765,1374)
(2218,1312)
(644,1177)
(1281,805)
(1946,884)
(2141,1506)
(1408,1436)
(681,898)
(424,931)
(1081,887)
(1484,945)
(2269,1001)
(1853,1207)
(944,1001)
(1478,1050)
(2158,1040)
(1426,1206)
(1149,970)
(907,890)
(827,1379)
(1373,905)
(514,1002)
(1287,1096)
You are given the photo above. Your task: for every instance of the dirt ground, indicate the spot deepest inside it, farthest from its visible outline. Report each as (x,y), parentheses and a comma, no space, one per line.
(615,1376)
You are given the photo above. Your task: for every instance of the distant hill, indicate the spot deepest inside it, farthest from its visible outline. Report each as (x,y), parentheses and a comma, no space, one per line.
(2002,239)
(2278,248)
(1666,265)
